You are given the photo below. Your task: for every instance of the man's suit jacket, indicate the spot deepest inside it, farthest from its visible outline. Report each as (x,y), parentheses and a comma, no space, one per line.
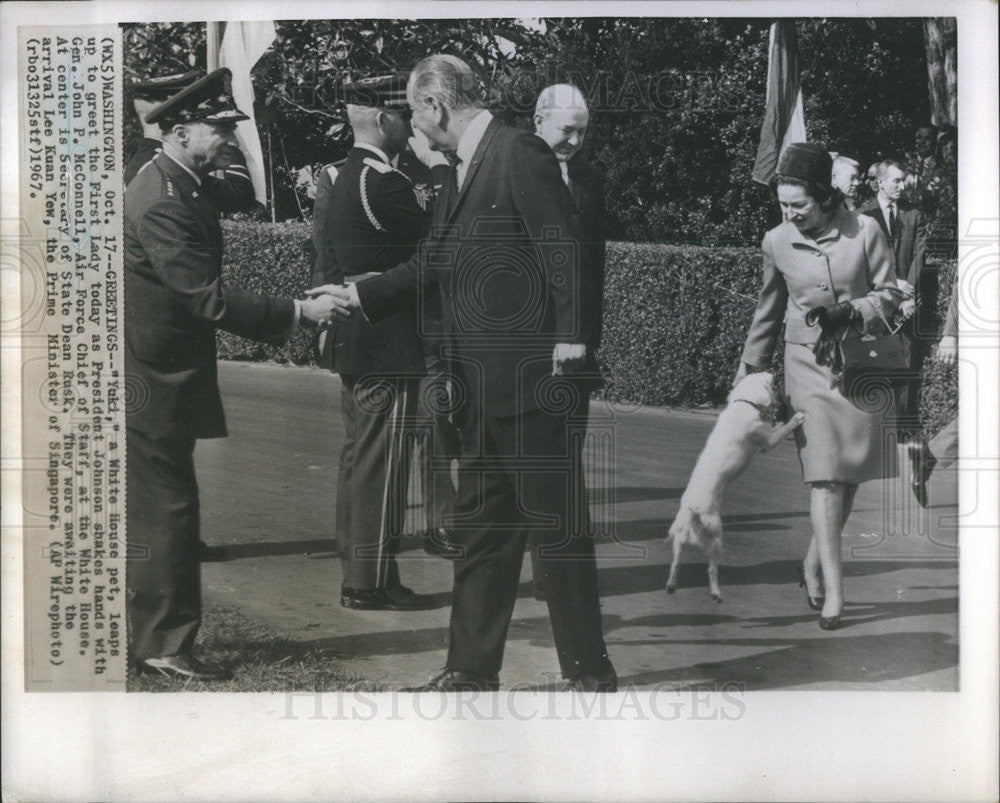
(907,244)
(587,190)
(350,244)
(504,251)
(234,193)
(175,299)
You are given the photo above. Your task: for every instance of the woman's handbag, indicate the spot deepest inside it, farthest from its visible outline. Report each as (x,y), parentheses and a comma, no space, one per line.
(873,355)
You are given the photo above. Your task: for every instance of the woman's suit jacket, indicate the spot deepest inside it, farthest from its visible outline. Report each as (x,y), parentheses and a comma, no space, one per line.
(849,262)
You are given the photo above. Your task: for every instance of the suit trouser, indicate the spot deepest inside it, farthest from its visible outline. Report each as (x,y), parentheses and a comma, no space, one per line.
(515,477)
(944,445)
(163,570)
(916,348)
(379,419)
(579,507)
(440,443)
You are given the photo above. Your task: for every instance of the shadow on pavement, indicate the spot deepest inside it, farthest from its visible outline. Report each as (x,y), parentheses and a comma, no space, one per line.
(618,580)
(838,659)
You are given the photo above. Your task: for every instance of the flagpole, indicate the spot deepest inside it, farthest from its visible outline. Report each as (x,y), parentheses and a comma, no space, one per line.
(270,170)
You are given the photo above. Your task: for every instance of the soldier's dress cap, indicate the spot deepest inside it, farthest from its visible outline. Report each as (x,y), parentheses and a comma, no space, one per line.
(163,86)
(377,92)
(207,100)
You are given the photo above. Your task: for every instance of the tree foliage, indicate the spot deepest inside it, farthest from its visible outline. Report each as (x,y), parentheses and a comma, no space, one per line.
(677,103)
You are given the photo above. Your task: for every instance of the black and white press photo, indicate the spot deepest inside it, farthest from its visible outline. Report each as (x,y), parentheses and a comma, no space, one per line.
(468,377)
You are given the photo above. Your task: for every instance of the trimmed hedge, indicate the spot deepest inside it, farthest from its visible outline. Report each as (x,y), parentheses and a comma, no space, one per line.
(675,316)
(274,259)
(675,319)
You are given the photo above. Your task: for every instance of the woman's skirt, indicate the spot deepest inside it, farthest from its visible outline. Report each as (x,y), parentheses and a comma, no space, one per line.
(843,439)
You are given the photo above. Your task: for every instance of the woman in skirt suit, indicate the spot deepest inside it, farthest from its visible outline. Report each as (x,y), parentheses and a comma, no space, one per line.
(830,262)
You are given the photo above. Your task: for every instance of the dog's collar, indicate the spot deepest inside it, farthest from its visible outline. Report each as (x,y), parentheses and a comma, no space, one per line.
(766,413)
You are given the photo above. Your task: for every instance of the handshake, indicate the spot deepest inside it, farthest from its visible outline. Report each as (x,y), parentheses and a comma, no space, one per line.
(331,302)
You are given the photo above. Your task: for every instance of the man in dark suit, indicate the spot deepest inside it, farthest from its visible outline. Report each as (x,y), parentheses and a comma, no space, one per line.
(175,299)
(561,119)
(905,229)
(374,220)
(231,190)
(503,250)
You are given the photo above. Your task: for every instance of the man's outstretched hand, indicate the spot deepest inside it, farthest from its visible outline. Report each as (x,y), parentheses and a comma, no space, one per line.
(331,302)
(567,357)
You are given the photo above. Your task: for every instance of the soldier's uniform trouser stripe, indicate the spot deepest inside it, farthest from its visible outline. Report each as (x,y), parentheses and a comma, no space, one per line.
(377,412)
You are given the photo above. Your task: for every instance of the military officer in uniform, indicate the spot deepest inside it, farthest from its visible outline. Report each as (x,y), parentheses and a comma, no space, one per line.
(175,299)
(372,221)
(231,190)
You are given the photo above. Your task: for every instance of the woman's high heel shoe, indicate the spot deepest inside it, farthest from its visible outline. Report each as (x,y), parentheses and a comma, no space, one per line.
(829,622)
(816,603)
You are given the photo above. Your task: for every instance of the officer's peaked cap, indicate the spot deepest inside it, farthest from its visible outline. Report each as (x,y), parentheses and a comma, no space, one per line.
(377,92)
(207,100)
(163,86)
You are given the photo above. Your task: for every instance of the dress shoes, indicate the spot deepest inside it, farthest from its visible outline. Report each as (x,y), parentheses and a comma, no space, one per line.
(922,463)
(394,598)
(592,683)
(438,542)
(453,680)
(184,665)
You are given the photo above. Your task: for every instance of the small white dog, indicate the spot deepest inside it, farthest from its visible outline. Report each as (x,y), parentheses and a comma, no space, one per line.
(740,432)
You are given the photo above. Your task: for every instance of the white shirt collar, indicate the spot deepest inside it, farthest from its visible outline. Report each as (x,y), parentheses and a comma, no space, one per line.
(886,204)
(471,137)
(377,151)
(167,147)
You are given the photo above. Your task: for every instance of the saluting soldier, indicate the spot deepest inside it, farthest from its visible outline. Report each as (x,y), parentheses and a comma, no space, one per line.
(175,299)
(374,219)
(232,189)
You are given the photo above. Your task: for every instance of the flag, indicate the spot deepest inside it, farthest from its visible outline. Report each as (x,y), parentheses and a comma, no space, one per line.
(238,46)
(783,119)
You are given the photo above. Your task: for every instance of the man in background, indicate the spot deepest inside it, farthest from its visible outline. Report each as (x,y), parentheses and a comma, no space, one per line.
(904,227)
(846,177)
(561,119)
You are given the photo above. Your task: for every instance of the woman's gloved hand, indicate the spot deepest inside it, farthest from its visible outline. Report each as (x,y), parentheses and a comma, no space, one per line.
(831,321)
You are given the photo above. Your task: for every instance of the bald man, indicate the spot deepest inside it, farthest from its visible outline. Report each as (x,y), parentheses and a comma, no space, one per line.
(561,119)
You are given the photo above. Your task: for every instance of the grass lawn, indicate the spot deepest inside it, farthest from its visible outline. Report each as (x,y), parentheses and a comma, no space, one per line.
(260,660)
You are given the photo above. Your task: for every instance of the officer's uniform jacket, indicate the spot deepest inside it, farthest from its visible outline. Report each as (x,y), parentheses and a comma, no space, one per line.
(231,193)
(175,299)
(373,221)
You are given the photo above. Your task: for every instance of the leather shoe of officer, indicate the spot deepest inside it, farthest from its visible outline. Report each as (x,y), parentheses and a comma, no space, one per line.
(453,680)
(439,543)
(593,683)
(184,665)
(393,598)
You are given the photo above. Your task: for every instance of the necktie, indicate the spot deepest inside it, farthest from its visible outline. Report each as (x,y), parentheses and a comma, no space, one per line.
(454,162)
(892,220)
